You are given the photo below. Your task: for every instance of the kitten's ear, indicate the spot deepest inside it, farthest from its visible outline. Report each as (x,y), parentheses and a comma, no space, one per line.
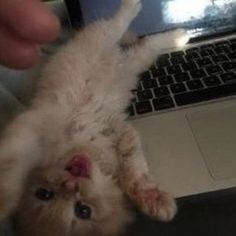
(19,151)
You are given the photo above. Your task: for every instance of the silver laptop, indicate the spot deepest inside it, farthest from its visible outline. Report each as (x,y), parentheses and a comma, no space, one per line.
(185,106)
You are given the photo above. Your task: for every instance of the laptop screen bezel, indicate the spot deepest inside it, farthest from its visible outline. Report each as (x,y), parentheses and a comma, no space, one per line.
(75,13)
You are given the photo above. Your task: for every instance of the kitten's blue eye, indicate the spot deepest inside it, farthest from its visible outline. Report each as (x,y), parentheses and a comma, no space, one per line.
(44,194)
(82,211)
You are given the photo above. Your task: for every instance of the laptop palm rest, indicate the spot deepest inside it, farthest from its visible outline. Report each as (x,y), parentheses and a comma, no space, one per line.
(215,134)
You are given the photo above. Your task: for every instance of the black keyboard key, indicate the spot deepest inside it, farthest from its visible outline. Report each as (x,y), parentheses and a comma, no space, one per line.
(203,53)
(229,66)
(161,91)
(195,84)
(232,55)
(134,99)
(177,53)
(143,107)
(204,62)
(211,81)
(190,50)
(174,69)
(158,72)
(205,94)
(163,103)
(165,80)
(145,75)
(162,62)
(149,83)
(139,87)
(219,58)
(130,110)
(232,40)
(233,47)
(197,74)
(229,77)
(213,69)
(144,95)
(182,77)
(152,67)
(207,52)
(189,66)
(222,49)
(177,60)
(192,56)
(210,52)
(164,56)
(178,88)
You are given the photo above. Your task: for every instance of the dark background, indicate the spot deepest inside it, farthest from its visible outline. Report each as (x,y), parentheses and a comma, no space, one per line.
(210,214)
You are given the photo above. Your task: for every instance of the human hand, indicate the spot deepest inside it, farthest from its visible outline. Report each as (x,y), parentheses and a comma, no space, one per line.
(24,25)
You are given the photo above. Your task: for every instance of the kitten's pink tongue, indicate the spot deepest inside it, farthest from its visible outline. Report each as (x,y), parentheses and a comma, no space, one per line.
(79,166)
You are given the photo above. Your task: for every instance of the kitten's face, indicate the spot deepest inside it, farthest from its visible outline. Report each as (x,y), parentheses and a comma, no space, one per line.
(75,199)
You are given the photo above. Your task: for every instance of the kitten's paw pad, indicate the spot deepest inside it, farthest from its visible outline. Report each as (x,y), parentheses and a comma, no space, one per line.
(181,37)
(157,204)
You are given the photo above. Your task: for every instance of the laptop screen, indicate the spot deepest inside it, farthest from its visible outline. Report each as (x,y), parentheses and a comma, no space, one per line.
(200,17)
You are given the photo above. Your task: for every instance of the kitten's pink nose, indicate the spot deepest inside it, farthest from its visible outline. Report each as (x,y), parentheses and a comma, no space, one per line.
(79,166)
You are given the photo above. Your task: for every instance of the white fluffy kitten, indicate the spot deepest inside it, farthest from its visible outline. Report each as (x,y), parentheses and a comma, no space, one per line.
(70,163)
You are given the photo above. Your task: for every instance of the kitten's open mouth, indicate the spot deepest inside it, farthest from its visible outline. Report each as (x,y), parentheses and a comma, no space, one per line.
(79,166)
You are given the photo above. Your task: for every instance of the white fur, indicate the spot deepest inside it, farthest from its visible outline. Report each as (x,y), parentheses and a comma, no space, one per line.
(82,95)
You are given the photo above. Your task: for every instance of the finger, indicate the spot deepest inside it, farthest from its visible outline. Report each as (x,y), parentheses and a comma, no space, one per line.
(31,19)
(17,53)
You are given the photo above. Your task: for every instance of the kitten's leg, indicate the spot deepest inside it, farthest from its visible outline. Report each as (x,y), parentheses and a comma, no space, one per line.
(143,54)
(137,182)
(110,31)
(18,151)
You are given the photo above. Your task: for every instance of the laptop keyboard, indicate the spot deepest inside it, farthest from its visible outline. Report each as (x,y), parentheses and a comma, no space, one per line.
(187,77)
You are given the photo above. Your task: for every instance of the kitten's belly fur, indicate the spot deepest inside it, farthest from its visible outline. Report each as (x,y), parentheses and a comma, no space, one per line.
(83,109)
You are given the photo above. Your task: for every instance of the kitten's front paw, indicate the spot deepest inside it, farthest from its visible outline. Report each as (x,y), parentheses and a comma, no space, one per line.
(176,38)
(155,203)
(180,37)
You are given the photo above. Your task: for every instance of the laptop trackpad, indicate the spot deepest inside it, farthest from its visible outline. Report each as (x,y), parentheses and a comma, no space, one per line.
(215,133)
